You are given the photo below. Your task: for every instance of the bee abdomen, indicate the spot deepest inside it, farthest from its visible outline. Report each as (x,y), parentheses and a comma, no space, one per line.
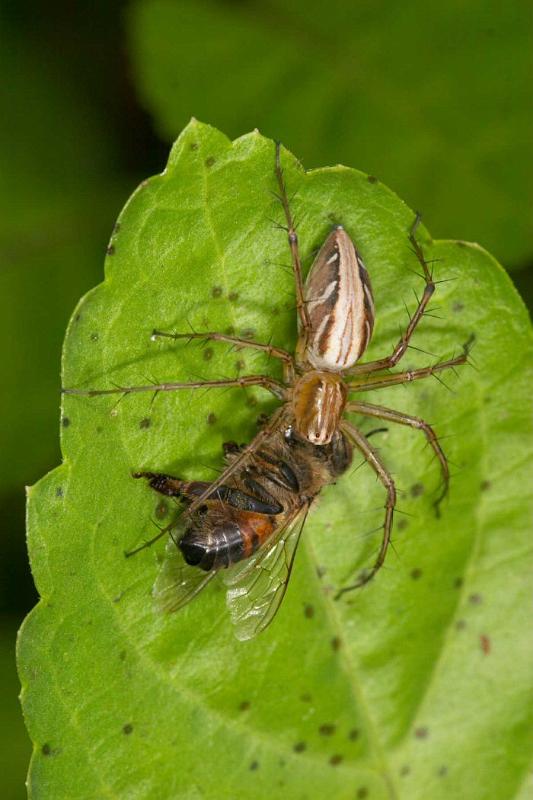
(223,546)
(218,546)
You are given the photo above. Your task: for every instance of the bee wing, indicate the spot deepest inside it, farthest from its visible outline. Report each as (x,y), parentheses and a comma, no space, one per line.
(257,586)
(177,582)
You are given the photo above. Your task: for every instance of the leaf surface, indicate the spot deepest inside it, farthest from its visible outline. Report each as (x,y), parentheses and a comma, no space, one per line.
(401,690)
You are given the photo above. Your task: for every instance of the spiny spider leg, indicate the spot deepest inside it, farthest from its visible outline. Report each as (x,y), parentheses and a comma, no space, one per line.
(266,382)
(372,457)
(370,410)
(275,352)
(382,381)
(402,345)
(301,307)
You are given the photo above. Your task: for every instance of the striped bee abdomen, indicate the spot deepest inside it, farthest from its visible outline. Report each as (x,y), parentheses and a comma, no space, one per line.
(218,544)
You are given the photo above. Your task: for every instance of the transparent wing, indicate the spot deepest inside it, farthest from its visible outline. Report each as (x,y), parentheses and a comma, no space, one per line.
(177,582)
(257,586)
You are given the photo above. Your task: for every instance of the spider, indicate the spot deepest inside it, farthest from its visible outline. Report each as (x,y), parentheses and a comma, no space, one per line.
(245,520)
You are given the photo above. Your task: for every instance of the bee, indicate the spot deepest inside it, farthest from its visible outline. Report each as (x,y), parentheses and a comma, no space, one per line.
(246,524)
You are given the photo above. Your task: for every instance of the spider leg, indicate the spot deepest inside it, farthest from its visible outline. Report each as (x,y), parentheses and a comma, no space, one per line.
(369,410)
(265,381)
(403,343)
(301,307)
(274,352)
(372,457)
(382,381)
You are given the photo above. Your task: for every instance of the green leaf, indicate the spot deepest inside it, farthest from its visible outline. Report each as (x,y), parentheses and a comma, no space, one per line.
(402,690)
(435,104)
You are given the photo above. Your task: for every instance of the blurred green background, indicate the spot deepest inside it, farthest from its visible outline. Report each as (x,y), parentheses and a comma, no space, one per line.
(434,101)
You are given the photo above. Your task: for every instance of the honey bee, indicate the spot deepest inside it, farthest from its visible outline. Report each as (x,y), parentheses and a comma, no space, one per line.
(246,524)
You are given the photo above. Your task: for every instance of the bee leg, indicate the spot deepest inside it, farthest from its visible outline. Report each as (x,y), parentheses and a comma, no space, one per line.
(164,484)
(175,487)
(372,457)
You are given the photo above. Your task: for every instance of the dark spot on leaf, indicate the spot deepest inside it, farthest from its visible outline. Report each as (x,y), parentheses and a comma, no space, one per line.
(484,485)
(252,401)
(65,422)
(421,733)
(299,747)
(127,728)
(208,353)
(254,765)
(371,179)
(194,145)
(116,227)
(405,770)
(240,364)
(110,250)
(335,759)
(460,624)
(230,330)
(336,643)
(306,697)
(161,510)
(211,418)
(46,750)
(77,318)
(145,423)
(94,337)
(216,291)
(248,333)
(233,296)
(59,491)
(122,655)
(99,429)
(362,793)
(457,307)
(321,571)
(442,771)
(354,734)
(402,524)
(416,573)
(309,611)
(244,706)
(461,244)
(475,599)
(327,729)
(485,643)
(458,582)
(210,161)
(417,489)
